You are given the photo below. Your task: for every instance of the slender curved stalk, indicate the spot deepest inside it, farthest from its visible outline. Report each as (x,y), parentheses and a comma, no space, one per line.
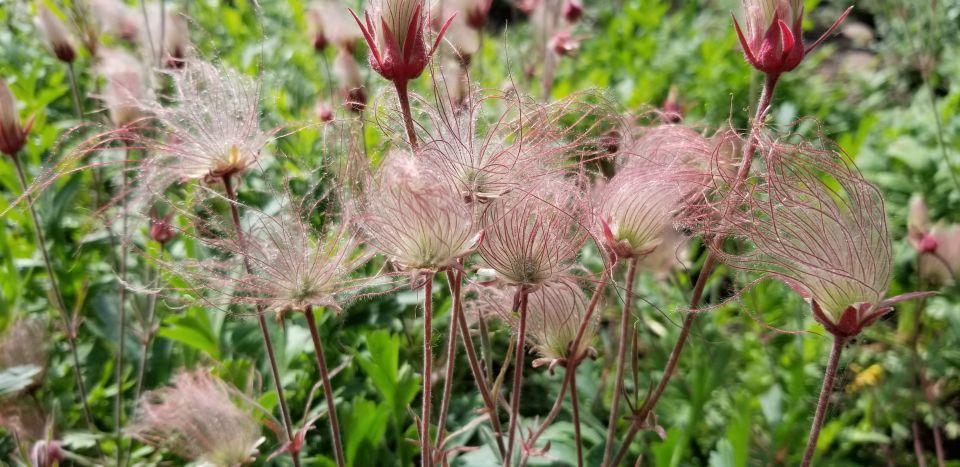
(148,337)
(262,321)
(121,315)
(480,380)
(404,97)
(763,108)
(517,377)
(554,411)
(451,357)
(426,455)
(74,91)
(824,400)
(68,323)
(327,387)
(622,348)
(576,414)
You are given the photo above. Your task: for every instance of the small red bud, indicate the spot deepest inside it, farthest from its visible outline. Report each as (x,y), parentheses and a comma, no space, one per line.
(572,10)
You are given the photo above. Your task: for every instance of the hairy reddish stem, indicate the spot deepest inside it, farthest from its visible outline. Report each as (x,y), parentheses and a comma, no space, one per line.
(479,378)
(262,321)
(622,348)
(404,96)
(327,387)
(576,414)
(517,377)
(426,455)
(68,324)
(824,400)
(451,356)
(763,107)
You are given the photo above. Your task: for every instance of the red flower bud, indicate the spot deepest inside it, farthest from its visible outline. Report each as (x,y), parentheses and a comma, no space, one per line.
(12,135)
(774,40)
(572,10)
(161,230)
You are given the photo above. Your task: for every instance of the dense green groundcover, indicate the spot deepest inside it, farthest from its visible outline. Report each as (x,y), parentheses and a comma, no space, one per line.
(885,90)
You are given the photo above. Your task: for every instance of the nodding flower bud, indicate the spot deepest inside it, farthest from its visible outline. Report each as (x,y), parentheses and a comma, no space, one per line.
(395,34)
(563,43)
(476,12)
(349,82)
(198,420)
(572,10)
(55,34)
(918,225)
(940,259)
(315,28)
(323,111)
(533,235)
(555,312)
(12,136)
(125,91)
(166,36)
(410,215)
(773,43)
(46,453)
(817,225)
(672,109)
(161,229)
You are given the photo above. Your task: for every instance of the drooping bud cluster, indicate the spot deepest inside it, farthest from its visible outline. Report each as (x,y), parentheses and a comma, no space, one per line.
(773,43)
(410,215)
(12,135)
(197,419)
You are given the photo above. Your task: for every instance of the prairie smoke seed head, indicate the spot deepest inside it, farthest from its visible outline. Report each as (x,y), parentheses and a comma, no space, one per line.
(773,43)
(395,34)
(534,236)
(816,224)
(210,131)
(197,419)
(410,215)
(55,33)
(555,312)
(12,136)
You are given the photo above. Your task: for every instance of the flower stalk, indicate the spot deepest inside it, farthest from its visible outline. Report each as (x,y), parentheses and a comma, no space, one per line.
(327,387)
(425,451)
(824,400)
(621,360)
(763,107)
(521,297)
(69,324)
(264,330)
(455,283)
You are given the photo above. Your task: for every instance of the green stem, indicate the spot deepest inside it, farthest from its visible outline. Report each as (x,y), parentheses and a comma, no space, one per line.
(68,324)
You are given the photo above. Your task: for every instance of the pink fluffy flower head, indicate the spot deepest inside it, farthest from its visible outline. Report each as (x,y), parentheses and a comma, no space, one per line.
(638,204)
(533,236)
(412,217)
(394,31)
(555,313)
(773,43)
(816,224)
(211,130)
(197,419)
